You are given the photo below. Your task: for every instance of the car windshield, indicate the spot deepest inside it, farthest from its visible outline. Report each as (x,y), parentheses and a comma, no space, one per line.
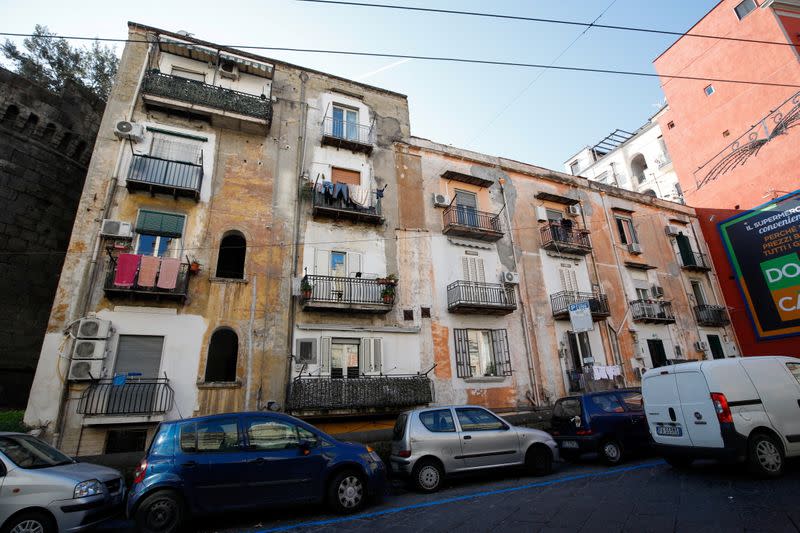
(29,452)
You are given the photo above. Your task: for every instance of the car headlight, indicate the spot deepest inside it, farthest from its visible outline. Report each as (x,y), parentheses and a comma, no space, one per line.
(88,488)
(371,455)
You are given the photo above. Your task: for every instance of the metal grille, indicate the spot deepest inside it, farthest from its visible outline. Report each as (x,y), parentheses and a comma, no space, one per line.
(181,289)
(693,260)
(347,130)
(150,170)
(460,215)
(711,315)
(335,289)
(386,392)
(598,302)
(474,293)
(650,310)
(500,352)
(141,397)
(555,234)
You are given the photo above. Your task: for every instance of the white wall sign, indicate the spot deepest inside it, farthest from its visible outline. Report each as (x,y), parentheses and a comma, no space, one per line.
(580,315)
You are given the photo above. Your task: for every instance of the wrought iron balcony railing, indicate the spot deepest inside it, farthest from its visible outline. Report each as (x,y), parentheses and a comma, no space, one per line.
(711,315)
(481,298)
(349,294)
(330,204)
(598,303)
(196,92)
(558,238)
(162,175)
(694,261)
(464,221)
(386,393)
(652,311)
(347,134)
(134,397)
(141,289)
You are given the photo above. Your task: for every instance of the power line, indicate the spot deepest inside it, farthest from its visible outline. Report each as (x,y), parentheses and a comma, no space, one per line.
(446,59)
(549,21)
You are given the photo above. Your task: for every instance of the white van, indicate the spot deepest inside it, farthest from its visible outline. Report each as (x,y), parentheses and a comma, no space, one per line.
(743,409)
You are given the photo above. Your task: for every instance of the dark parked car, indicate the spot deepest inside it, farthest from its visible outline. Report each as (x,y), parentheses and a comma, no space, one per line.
(610,423)
(242,460)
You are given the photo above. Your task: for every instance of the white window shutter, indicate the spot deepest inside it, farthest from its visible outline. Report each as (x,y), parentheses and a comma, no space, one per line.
(321,262)
(541,213)
(481,275)
(465,267)
(365,356)
(377,355)
(353,263)
(325,355)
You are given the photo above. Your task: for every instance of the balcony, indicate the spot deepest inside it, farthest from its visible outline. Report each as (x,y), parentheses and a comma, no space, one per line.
(558,238)
(154,174)
(201,98)
(463,221)
(143,397)
(163,284)
(694,261)
(335,293)
(598,304)
(470,297)
(324,203)
(652,311)
(711,315)
(383,393)
(349,135)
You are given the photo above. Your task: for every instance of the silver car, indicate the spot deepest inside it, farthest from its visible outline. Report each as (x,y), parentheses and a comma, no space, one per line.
(44,491)
(428,444)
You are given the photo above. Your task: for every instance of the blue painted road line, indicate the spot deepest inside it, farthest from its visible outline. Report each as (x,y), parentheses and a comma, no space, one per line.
(332,521)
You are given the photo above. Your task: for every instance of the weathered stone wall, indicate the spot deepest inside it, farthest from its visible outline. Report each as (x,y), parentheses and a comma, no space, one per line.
(45,144)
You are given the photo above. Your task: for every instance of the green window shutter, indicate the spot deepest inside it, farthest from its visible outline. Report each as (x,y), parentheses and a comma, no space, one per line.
(156,223)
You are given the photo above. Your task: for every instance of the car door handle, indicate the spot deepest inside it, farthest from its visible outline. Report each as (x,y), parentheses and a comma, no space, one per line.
(189,464)
(467,437)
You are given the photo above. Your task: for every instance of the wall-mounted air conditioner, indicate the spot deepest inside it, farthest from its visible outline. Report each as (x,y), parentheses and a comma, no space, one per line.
(92,328)
(575,209)
(672,231)
(700,346)
(85,369)
(635,248)
(129,130)
(440,200)
(510,278)
(541,213)
(116,230)
(89,349)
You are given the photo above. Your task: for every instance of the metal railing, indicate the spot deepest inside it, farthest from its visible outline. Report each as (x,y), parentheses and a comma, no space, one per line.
(345,130)
(150,170)
(598,302)
(365,392)
(342,290)
(460,215)
(197,92)
(556,234)
(693,260)
(652,310)
(181,285)
(711,315)
(329,201)
(134,397)
(480,294)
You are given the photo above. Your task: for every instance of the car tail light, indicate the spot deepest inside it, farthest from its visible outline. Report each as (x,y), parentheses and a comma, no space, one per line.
(584,432)
(138,474)
(404,453)
(721,407)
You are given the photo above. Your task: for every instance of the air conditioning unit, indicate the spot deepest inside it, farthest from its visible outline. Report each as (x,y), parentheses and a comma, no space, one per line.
(229,69)
(657,291)
(440,200)
(672,231)
(129,130)
(575,209)
(511,278)
(86,369)
(92,328)
(89,349)
(700,346)
(116,229)
(635,248)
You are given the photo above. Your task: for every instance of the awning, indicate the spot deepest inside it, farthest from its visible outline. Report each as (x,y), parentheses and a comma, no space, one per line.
(209,55)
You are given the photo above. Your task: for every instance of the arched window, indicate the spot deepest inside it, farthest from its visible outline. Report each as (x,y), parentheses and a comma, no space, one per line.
(223,351)
(11,114)
(30,124)
(651,192)
(65,141)
(638,166)
(232,250)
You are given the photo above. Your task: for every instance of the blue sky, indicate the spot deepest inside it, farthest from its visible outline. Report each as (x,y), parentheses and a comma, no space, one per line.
(490,109)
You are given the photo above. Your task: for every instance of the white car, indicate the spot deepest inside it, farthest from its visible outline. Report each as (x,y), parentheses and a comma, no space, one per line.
(743,409)
(44,491)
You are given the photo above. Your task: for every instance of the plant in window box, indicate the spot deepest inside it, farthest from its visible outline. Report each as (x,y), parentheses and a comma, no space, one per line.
(491,369)
(305,289)
(388,294)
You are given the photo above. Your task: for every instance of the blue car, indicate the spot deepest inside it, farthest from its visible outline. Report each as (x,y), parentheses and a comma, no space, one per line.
(609,423)
(243,460)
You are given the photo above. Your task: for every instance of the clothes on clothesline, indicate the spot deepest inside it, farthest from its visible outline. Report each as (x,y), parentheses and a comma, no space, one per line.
(360,195)
(606,372)
(341,189)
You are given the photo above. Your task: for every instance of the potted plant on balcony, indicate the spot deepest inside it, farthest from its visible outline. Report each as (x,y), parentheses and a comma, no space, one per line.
(305,289)
(194,266)
(388,293)
(391,279)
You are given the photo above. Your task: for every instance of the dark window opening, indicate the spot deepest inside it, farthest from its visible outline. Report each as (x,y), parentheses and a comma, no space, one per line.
(222,354)
(79,149)
(232,250)
(48,133)
(408,314)
(65,140)
(12,112)
(30,124)
(126,440)
(425,312)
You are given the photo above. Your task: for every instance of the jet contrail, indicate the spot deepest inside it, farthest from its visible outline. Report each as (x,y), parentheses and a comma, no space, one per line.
(385,67)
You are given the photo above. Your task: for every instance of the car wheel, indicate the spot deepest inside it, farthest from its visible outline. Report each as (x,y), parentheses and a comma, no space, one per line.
(346,492)
(31,522)
(160,512)
(539,460)
(427,475)
(679,462)
(765,456)
(611,451)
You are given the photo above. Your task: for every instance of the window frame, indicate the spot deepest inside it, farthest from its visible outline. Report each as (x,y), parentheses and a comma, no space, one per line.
(502,425)
(627,405)
(219,330)
(248,422)
(432,412)
(611,398)
(794,372)
(498,341)
(174,249)
(626,230)
(740,4)
(194,424)
(707,91)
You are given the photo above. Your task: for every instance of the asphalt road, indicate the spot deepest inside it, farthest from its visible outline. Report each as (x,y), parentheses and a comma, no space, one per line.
(643,495)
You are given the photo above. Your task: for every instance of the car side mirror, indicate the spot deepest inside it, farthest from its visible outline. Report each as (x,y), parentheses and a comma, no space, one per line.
(305,447)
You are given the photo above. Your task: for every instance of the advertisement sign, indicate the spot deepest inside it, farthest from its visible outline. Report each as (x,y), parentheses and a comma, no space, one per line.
(580,315)
(763,247)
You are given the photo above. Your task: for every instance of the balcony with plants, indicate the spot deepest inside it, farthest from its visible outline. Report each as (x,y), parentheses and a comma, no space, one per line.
(348,294)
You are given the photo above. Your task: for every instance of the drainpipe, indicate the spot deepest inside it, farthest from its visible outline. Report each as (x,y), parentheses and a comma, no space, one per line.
(249,385)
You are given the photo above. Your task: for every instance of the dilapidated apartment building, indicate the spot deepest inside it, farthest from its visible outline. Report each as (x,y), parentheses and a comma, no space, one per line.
(256,235)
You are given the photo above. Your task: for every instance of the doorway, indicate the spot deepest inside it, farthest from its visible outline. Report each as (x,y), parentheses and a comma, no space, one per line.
(344,358)
(685,249)
(466,208)
(657,354)
(717,352)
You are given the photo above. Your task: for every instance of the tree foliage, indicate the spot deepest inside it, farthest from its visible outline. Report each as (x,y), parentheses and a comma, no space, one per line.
(50,61)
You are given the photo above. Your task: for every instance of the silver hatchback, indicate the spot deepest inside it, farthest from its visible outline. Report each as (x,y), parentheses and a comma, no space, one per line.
(428,444)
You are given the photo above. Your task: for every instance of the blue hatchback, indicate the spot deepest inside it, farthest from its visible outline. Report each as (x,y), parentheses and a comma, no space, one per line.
(610,423)
(243,460)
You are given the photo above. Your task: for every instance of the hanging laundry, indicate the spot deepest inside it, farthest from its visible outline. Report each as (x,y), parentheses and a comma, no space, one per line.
(148,270)
(127,265)
(360,195)
(327,187)
(341,189)
(168,274)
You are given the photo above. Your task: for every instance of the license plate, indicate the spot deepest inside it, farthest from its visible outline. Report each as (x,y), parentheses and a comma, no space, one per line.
(569,444)
(669,431)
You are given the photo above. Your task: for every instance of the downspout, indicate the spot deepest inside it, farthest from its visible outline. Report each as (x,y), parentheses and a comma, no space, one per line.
(249,386)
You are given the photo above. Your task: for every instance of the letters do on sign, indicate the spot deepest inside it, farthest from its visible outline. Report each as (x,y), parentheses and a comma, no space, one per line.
(580,315)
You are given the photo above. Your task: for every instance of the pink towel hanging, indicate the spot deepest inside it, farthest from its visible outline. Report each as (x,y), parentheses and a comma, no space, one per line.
(148,271)
(127,265)
(168,274)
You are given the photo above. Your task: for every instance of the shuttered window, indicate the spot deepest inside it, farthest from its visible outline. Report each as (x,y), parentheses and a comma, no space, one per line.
(473,269)
(498,360)
(139,354)
(158,223)
(569,280)
(341,175)
(306,351)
